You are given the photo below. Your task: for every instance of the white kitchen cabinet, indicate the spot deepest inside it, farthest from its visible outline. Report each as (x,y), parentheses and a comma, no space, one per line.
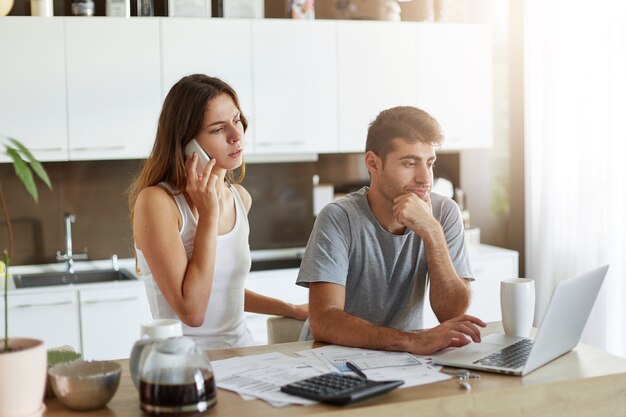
(217,47)
(455,82)
(49,316)
(100,320)
(86,89)
(490,265)
(111,319)
(277,283)
(32,85)
(295,86)
(113,86)
(377,70)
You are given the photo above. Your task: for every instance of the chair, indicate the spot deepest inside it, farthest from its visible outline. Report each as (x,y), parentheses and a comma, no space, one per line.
(283,330)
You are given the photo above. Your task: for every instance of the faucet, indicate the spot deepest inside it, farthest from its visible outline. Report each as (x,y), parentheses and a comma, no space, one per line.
(69,256)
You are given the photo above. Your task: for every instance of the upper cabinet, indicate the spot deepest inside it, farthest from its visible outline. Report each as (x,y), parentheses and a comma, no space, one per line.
(217,47)
(377,70)
(295,86)
(444,69)
(113,86)
(454,77)
(78,89)
(32,85)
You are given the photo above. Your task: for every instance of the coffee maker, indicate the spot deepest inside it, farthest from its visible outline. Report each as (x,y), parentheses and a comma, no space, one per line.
(176,377)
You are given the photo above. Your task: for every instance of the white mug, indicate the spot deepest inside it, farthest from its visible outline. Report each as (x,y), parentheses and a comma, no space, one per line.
(517,302)
(161,329)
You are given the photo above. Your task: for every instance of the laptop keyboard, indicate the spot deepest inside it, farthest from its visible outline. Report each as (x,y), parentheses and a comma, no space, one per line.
(512,356)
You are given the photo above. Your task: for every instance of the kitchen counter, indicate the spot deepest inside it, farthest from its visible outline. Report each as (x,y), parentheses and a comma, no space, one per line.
(584,382)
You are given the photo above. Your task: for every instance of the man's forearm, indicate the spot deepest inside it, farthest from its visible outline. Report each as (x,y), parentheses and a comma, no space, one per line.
(335,326)
(449,299)
(449,293)
(338,327)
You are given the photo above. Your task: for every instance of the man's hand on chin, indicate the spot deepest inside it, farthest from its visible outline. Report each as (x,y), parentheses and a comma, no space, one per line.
(414,212)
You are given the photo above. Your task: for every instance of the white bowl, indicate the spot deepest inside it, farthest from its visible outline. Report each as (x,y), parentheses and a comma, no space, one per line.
(85,385)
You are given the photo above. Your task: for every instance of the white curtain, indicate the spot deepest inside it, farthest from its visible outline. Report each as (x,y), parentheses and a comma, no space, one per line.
(575,153)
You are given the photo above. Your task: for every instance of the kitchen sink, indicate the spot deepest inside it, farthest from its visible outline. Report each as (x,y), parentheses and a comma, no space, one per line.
(45,279)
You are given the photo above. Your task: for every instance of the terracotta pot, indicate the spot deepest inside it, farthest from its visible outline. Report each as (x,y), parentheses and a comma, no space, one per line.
(22,377)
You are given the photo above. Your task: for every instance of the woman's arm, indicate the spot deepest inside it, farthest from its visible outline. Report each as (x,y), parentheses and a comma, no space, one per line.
(185,284)
(257,303)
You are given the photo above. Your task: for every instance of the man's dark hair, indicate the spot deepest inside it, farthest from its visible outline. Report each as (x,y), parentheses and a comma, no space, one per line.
(404,122)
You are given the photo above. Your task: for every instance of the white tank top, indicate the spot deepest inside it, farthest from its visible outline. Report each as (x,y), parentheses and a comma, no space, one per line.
(224,324)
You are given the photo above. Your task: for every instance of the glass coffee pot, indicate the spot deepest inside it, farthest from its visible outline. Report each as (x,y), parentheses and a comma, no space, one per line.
(176,377)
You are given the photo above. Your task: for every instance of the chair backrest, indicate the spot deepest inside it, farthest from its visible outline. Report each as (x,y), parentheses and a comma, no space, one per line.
(283,329)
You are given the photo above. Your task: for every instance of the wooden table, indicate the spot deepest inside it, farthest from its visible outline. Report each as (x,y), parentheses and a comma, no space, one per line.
(584,382)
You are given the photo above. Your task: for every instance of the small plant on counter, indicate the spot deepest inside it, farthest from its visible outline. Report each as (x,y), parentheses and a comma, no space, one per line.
(24,164)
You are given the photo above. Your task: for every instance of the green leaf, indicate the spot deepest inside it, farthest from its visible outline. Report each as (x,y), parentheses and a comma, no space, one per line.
(61,356)
(23,172)
(34,163)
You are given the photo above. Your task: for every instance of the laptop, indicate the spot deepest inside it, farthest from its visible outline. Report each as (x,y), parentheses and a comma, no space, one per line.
(560,331)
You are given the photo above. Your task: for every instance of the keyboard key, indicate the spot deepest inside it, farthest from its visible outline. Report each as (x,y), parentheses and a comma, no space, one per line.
(512,356)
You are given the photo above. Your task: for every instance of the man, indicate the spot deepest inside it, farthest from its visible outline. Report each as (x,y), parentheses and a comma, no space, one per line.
(372,252)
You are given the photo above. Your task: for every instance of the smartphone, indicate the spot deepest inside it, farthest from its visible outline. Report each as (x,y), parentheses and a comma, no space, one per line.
(203,157)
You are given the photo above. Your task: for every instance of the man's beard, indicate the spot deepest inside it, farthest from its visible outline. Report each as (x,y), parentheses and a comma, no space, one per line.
(391,191)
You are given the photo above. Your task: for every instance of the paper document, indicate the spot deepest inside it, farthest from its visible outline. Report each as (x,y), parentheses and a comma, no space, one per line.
(261,376)
(379,365)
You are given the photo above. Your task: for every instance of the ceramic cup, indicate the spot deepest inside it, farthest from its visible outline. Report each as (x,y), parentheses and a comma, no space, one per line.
(517,302)
(161,329)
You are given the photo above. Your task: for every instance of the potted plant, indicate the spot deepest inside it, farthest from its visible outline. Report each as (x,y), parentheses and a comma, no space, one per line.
(22,361)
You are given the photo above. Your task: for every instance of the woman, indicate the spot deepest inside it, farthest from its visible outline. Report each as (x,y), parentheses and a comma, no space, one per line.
(190,226)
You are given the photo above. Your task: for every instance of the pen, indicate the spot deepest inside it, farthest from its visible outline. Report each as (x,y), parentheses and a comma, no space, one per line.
(356,369)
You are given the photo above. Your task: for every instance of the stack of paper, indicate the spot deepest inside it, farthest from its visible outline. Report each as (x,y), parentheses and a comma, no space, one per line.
(261,376)
(380,365)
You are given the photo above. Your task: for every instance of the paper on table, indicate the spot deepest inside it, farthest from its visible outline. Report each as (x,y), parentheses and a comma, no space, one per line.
(261,376)
(412,376)
(335,358)
(428,360)
(379,365)
(227,367)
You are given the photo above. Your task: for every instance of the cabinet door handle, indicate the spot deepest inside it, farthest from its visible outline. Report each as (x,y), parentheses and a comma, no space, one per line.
(111,300)
(59,303)
(100,148)
(46,149)
(286,143)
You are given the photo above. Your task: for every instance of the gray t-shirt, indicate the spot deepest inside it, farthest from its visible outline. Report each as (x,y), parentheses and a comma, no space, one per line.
(385,275)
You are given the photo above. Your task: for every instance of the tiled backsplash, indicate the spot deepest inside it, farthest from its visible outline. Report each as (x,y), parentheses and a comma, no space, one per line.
(94,191)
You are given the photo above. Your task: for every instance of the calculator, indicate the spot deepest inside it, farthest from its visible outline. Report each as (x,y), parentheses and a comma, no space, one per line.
(339,389)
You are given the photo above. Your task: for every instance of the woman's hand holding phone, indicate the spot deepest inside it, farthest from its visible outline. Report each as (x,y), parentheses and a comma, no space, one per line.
(201,184)
(203,157)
